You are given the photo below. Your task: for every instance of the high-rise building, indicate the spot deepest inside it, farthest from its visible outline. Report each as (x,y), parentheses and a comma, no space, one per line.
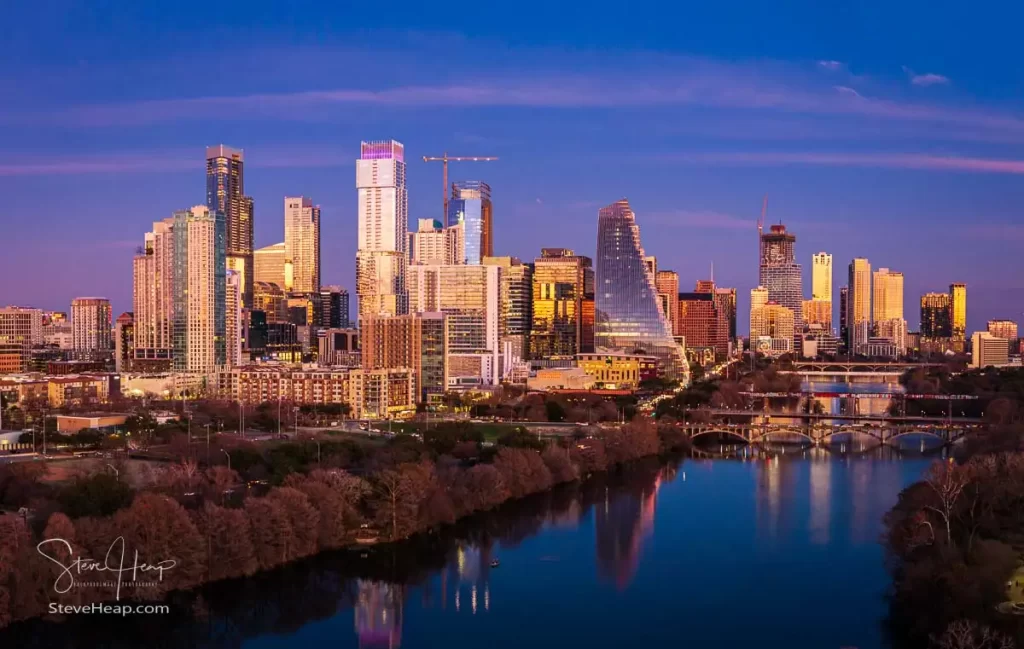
(627,313)
(434,244)
(124,341)
(667,284)
(844,313)
(936,316)
(987,350)
(1006,329)
(383,229)
(727,298)
(771,328)
(153,295)
(90,325)
(958,306)
(200,273)
(651,264)
(471,206)
(696,319)
(271,300)
(469,296)
(514,302)
(724,305)
(302,244)
(562,282)
(417,341)
(225,193)
(821,278)
(858,303)
(779,272)
(20,328)
(270,266)
(818,312)
(887,303)
(233,334)
(333,311)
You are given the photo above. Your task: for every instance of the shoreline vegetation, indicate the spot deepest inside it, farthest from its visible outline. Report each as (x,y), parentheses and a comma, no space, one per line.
(315,499)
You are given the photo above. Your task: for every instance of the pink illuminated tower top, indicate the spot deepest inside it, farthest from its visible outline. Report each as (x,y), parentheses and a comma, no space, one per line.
(382,150)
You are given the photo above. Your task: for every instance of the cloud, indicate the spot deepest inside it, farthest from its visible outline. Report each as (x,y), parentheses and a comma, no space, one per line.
(925,80)
(831,66)
(914,161)
(846,90)
(705,219)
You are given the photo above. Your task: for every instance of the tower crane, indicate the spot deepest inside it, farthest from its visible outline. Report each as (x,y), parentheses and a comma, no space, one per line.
(445,159)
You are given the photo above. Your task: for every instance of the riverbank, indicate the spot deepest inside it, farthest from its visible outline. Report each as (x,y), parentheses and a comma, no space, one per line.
(211,536)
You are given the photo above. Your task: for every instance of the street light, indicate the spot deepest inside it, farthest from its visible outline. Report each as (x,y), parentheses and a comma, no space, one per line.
(117,474)
(228,456)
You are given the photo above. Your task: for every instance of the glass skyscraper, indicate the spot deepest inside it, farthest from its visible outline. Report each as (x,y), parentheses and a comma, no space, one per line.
(200,273)
(225,193)
(628,316)
(779,272)
(471,205)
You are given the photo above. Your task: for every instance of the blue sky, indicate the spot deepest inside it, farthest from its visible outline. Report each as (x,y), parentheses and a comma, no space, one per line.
(887,130)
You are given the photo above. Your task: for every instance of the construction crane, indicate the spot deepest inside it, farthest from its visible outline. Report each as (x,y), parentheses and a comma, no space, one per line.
(445,159)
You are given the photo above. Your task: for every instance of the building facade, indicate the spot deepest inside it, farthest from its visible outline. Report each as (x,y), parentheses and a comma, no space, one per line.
(1005,329)
(269,265)
(333,311)
(471,206)
(20,328)
(124,341)
(628,316)
(858,303)
(153,295)
(821,277)
(91,322)
(887,302)
(988,350)
(234,336)
(302,244)
(515,303)
(772,328)
(618,371)
(936,316)
(225,193)
(200,273)
(958,307)
(667,284)
(383,229)
(416,341)
(779,272)
(434,244)
(563,282)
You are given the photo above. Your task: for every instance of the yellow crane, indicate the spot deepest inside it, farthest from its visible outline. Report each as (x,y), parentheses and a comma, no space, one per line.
(445,159)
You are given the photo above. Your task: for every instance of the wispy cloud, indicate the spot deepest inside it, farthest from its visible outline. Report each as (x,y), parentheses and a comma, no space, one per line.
(846,90)
(928,79)
(920,161)
(831,66)
(706,219)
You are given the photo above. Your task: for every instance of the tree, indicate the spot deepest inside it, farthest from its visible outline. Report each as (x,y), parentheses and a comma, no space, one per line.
(559,464)
(221,479)
(965,634)
(554,410)
(444,437)
(303,518)
(331,506)
(523,471)
(227,538)
(271,531)
(100,494)
(947,480)
(160,530)
(520,438)
(396,501)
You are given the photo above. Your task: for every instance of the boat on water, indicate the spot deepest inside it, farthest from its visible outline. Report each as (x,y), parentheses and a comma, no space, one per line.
(495,563)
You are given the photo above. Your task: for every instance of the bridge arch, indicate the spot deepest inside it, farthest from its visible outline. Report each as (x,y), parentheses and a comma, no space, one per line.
(783,431)
(719,431)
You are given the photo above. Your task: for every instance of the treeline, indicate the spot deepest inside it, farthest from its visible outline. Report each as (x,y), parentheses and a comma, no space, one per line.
(215,528)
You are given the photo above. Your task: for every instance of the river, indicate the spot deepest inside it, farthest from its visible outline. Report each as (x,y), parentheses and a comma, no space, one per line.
(777,553)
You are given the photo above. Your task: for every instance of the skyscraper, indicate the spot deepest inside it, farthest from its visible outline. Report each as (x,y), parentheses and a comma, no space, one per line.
(269,266)
(124,341)
(302,244)
(333,309)
(627,313)
(20,328)
(383,229)
(667,284)
(417,341)
(1005,329)
(773,322)
(225,193)
(695,319)
(888,295)
(433,244)
(471,206)
(821,277)
(91,320)
(200,274)
(153,296)
(562,282)
(779,272)
(936,316)
(858,303)
(727,298)
(233,335)
(514,302)
(958,304)
(844,313)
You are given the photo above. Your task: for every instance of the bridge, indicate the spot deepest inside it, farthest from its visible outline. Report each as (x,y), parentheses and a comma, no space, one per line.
(819,435)
(872,367)
(885,418)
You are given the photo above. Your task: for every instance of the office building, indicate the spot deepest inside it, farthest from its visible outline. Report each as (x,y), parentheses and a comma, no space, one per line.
(470,298)
(988,350)
(271,300)
(270,265)
(958,308)
(779,272)
(858,303)
(302,244)
(515,304)
(893,330)
(887,303)
(383,229)
(19,329)
(844,313)
(1005,329)
(618,370)
(434,244)
(225,193)
(758,298)
(936,316)
(817,312)
(471,206)
(727,298)
(628,316)
(821,277)
(234,336)
(563,282)
(200,273)
(333,311)
(91,321)
(124,341)
(667,284)
(339,347)
(153,297)
(417,341)
(696,318)
(772,328)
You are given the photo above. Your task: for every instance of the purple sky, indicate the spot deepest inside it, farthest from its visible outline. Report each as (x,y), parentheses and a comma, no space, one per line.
(887,132)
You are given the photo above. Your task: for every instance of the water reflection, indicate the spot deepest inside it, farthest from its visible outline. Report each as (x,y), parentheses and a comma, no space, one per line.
(378,614)
(623,521)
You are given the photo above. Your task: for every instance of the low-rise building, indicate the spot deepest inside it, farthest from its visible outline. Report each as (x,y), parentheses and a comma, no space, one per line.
(618,370)
(76,423)
(988,350)
(78,390)
(561,378)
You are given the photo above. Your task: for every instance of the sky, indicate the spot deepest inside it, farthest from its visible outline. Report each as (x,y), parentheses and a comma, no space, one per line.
(892,131)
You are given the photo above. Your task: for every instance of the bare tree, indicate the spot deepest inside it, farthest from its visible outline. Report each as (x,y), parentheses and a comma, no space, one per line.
(947,481)
(965,634)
